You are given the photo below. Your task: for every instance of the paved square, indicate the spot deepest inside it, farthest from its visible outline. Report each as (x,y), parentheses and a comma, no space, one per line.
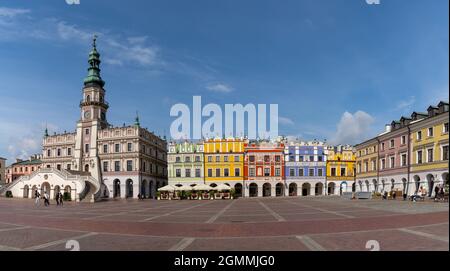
(299,224)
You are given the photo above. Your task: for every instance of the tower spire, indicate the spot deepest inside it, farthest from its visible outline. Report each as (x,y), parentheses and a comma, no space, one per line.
(94,66)
(46,131)
(136,120)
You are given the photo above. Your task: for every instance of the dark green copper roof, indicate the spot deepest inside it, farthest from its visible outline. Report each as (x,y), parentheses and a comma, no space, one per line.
(93,76)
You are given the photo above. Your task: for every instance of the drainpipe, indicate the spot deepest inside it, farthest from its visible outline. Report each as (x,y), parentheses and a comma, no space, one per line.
(377,164)
(408,163)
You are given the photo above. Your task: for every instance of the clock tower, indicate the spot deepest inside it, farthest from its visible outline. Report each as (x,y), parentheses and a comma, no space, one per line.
(93,118)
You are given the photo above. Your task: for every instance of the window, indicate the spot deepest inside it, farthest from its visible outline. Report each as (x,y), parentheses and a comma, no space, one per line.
(391,143)
(301,158)
(320,172)
(58,167)
(445,153)
(403,140)
(311,172)
(105,148)
(86,131)
(291,172)
(217,172)
(187,172)
(267,172)
(392,162)
(49,153)
(445,128)
(178,173)
(187,159)
(105,166)
(237,172)
(320,158)
(342,171)
(403,159)
(301,172)
(69,151)
(178,159)
(430,155)
(419,135)
(236,158)
(198,173)
(59,152)
(226,172)
(69,167)
(266,158)
(382,146)
(86,148)
(383,163)
(277,158)
(129,165)
(130,147)
(366,166)
(430,131)
(197,158)
(117,166)
(277,172)
(209,172)
(252,172)
(374,165)
(333,171)
(217,158)
(209,159)
(117,148)
(251,158)
(419,157)
(225,158)
(311,158)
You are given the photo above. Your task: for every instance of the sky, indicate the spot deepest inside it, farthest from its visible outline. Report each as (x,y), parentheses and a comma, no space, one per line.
(338,69)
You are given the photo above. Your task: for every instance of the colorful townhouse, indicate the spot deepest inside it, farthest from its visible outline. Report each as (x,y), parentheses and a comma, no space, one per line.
(224,162)
(185,163)
(429,149)
(340,169)
(411,153)
(366,165)
(305,168)
(23,168)
(264,169)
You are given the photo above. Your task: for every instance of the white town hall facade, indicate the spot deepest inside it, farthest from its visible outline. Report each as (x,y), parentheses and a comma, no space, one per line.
(98,160)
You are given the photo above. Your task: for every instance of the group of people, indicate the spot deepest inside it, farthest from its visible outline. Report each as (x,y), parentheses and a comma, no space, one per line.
(421,193)
(439,192)
(46,197)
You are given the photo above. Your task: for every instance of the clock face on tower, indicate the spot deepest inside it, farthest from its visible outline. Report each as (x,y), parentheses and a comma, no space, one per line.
(87,114)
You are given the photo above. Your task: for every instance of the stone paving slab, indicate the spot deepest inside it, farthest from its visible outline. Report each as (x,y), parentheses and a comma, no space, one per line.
(109,242)
(389,240)
(25,238)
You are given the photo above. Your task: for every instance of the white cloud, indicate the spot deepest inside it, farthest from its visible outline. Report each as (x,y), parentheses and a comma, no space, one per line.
(219,87)
(353,128)
(12,12)
(285,121)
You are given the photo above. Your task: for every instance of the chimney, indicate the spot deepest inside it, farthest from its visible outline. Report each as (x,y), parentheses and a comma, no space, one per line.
(18,160)
(388,128)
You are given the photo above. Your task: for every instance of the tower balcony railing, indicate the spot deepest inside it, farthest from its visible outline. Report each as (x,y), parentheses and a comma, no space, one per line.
(103,104)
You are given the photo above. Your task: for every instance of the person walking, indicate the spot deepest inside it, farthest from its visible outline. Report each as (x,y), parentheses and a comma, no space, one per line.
(46,199)
(436,192)
(60,195)
(37,197)
(57,199)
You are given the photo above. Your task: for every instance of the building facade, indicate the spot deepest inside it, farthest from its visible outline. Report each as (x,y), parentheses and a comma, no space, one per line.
(99,160)
(366,165)
(411,153)
(340,170)
(305,168)
(429,149)
(224,162)
(22,168)
(185,163)
(2,170)
(264,169)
